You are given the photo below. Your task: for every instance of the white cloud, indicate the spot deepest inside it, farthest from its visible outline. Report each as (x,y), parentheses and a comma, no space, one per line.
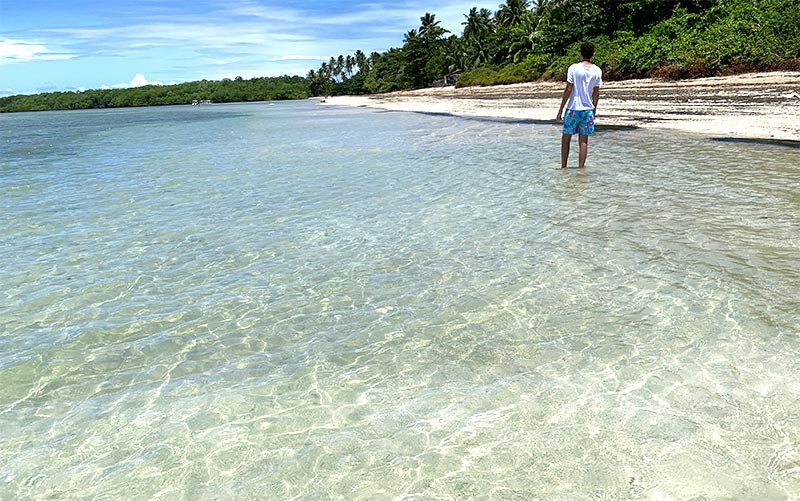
(245,38)
(139,80)
(15,51)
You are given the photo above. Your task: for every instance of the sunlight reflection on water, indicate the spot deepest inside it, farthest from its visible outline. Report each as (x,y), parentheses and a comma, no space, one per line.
(243,301)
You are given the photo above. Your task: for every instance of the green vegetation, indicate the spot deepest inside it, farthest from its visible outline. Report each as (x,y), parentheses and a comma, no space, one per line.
(520,42)
(224,91)
(634,38)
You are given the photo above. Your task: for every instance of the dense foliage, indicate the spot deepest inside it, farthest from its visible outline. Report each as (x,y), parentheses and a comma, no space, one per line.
(519,42)
(224,91)
(634,38)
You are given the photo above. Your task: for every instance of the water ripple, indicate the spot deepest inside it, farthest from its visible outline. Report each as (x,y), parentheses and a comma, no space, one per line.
(292,301)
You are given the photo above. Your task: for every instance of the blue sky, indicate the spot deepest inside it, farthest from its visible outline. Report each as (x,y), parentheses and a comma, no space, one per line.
(57,45)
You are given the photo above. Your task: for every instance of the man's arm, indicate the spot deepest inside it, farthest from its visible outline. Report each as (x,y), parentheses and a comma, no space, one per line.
(595,98)
(564,99)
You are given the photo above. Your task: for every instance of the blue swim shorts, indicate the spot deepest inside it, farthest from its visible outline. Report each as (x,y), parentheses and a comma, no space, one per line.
(579,122)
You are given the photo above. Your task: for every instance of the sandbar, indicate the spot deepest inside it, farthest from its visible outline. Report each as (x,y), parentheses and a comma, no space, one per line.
(759,106)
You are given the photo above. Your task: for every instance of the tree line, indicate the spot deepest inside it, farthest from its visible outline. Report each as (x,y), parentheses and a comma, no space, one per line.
(222,91)
(525,41)
(521,41)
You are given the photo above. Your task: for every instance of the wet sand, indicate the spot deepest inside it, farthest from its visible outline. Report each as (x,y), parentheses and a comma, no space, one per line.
(760,106)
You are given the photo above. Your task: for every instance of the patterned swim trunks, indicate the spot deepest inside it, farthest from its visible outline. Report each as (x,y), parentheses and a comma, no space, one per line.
(579,122)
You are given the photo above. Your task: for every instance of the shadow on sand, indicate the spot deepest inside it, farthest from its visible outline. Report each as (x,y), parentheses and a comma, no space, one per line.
(786,143)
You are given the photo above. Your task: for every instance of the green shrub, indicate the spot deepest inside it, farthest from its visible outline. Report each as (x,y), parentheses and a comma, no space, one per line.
(481,76)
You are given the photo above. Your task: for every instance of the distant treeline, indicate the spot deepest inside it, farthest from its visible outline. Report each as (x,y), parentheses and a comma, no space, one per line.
(520,42)
(524,41)
(223,91)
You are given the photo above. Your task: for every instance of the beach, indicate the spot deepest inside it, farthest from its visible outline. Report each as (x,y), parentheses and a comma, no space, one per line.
(761,106)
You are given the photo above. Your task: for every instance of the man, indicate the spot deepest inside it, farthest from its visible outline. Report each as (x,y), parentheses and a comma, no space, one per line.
(580,98)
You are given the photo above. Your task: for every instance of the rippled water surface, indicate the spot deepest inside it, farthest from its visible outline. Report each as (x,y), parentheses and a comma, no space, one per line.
(294,301)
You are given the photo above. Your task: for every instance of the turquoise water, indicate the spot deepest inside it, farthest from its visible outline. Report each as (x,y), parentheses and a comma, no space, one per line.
(293,301)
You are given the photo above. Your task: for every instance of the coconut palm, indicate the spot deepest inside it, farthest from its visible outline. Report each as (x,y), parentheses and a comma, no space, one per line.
(429,27)
(332,68)
(361,62)
(519,49)
(427,22)
(513,12)
(478,24)
(324,77)
(340,67)
(374,57)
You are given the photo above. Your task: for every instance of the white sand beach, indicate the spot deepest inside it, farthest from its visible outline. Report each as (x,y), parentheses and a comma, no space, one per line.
(748,106)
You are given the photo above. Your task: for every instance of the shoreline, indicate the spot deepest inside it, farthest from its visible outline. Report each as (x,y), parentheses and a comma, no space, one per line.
(750,106)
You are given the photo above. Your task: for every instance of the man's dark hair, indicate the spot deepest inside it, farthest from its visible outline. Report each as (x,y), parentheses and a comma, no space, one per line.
(587,50)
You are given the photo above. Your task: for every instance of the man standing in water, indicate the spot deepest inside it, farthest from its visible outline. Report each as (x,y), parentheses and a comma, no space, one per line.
(580,97)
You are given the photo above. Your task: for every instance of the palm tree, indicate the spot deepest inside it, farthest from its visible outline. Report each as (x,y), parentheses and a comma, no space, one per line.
(427,22)
(349,63)
(519,50)
(332,68)
(312,79)
(362,62)
(477,28)
(324,74)
(429,26)
(513,12)
(478,24)
(373,59)
(474,54)
(340,66)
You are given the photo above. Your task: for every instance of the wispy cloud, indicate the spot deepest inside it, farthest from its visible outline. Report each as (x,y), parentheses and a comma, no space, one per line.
(241,39)
(250,28)
(16,51)
(173,40)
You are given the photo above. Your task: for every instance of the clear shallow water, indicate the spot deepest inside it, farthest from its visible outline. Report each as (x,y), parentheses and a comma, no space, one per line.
(292,301)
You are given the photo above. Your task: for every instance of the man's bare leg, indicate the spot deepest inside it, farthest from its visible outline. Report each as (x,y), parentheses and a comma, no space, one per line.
(566,139)
(583,143)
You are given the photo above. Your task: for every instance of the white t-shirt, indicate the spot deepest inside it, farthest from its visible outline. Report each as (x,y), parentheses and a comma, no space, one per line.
(584,78)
